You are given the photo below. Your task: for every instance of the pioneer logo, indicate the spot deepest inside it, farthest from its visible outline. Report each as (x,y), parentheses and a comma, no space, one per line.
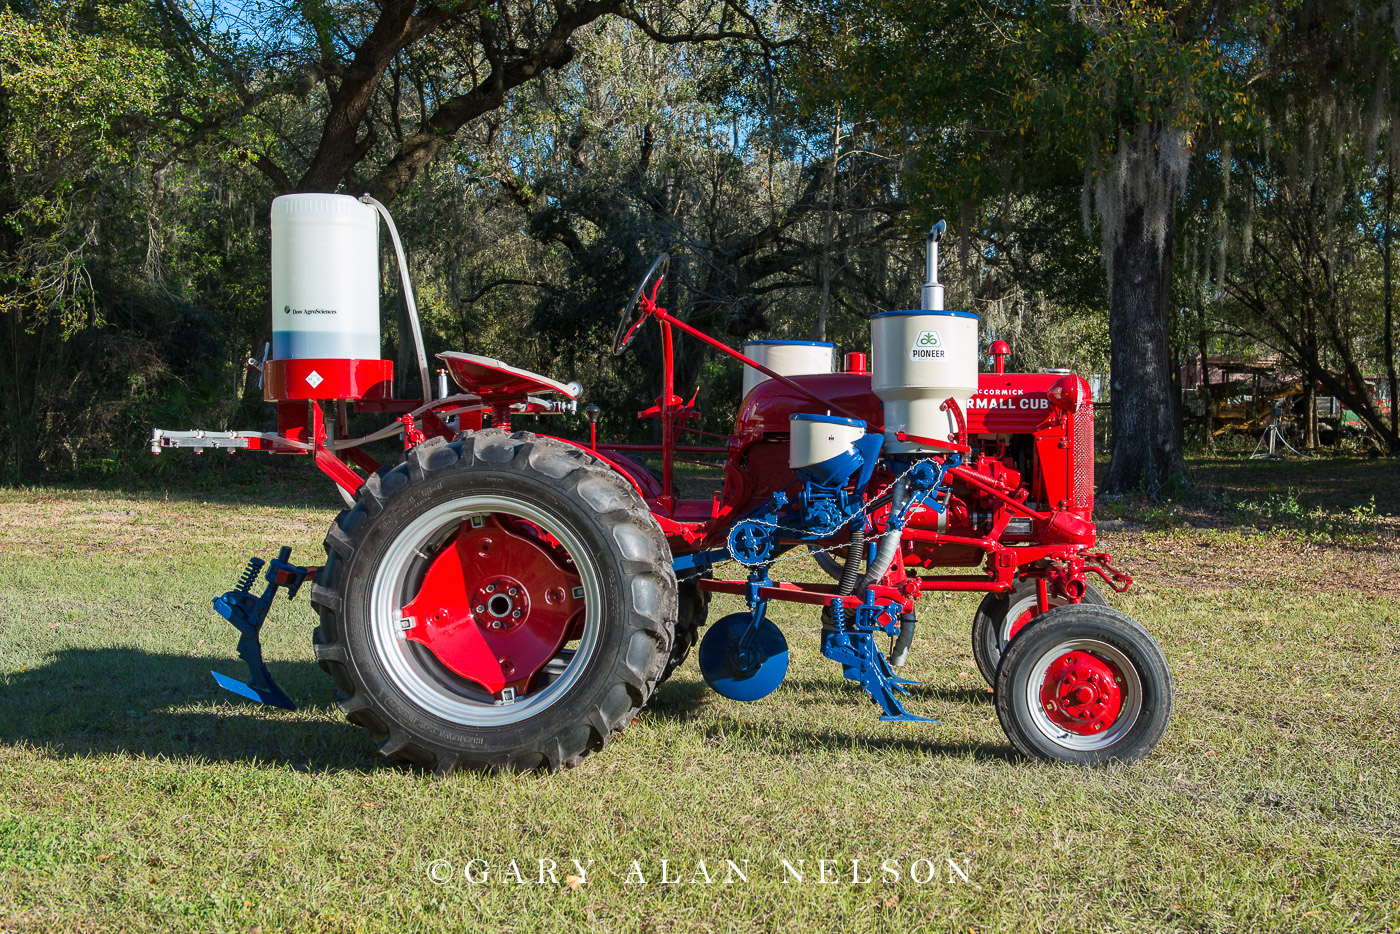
(928,345)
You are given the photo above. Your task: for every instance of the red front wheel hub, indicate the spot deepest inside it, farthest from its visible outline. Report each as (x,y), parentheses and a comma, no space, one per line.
(1082,693)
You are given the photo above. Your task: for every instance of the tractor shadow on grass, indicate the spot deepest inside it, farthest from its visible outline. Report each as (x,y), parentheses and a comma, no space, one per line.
(685,702)
(778,740)
(103,701)
(121,700)
(823,690)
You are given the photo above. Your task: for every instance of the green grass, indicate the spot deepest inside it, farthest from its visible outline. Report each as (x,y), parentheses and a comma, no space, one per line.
(134,795)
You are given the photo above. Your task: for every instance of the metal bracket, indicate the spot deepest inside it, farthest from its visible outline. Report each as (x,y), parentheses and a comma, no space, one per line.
(199,439)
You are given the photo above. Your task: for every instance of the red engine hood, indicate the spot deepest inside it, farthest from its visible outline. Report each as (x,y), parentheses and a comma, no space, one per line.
(1009,403)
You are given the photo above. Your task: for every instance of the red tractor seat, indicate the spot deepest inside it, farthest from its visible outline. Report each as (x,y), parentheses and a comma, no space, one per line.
(491,378)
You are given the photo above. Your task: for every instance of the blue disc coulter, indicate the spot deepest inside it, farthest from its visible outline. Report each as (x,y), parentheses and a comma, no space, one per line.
(742,659)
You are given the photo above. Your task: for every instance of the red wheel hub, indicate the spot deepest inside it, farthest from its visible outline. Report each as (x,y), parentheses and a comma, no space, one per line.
(496,604)
(1082,693)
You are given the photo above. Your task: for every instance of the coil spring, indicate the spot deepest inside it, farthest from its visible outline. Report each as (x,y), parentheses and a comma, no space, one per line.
(250,574)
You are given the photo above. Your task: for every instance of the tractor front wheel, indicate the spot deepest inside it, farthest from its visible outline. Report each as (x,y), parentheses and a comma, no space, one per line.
(1085,684)
(499,602)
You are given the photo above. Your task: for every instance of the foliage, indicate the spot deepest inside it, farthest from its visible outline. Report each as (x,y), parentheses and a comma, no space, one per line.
(1138,104)
(787,156)
(79,85)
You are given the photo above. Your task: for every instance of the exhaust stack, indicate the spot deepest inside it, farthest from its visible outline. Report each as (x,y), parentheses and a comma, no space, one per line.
(932,292)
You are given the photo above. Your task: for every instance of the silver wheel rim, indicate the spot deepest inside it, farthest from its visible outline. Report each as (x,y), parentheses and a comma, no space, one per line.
(1131,690)
(414,670)
(1013,613)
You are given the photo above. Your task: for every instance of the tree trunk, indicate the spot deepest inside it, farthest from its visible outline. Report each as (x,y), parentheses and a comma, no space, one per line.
(23,351)
(1310,438)
(1145,453)
(1208,400)
(1389,342)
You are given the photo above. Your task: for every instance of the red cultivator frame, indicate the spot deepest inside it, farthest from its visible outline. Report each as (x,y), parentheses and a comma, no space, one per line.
(502,598)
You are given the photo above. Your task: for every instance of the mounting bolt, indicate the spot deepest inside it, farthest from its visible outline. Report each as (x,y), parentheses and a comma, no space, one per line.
(1117,679)
(512,591)
(515,615)
(490,588)
(480,608)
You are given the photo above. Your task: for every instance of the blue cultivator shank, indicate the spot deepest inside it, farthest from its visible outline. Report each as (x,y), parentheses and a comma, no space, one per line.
(853,646)
(248,612)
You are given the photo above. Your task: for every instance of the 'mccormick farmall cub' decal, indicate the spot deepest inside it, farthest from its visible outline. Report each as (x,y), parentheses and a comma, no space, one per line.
(1009,399)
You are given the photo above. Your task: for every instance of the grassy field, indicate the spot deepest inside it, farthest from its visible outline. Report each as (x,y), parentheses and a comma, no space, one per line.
(134,795)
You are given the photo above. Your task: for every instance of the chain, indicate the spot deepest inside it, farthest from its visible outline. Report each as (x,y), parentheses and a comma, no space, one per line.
(862,514)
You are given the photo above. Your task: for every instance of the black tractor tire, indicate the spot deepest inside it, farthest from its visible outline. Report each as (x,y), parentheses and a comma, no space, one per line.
(693,608)
(414,708)
(990,622)
(1028,669)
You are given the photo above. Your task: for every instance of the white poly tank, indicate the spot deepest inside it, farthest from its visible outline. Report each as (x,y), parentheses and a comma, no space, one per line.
(325,278)
(919,359)
(788,358)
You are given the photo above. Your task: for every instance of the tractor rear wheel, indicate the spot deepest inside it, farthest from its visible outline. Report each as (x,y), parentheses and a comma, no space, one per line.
(693,608)
(1086,685)
(1000,616)
(499,602)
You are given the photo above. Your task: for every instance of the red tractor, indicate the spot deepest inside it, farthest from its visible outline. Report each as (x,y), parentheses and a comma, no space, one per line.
(509,599)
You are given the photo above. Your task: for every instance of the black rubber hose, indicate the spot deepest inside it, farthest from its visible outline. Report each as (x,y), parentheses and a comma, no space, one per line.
(850,574)
(900,653)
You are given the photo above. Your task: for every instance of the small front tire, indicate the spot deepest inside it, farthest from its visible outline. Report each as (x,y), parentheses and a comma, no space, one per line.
(1085,685)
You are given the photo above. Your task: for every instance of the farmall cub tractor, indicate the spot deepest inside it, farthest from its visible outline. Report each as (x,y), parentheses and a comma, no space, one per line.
(508,599)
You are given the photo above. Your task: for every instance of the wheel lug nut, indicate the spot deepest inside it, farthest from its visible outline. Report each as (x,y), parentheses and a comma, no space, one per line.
(480,608)
(515,615)
(512,591)
(490,588)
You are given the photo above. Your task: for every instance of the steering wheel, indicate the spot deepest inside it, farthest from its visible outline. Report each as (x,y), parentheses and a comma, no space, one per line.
(626,325)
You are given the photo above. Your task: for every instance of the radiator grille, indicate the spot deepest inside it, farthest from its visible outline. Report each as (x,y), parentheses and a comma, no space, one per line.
(1083,442)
